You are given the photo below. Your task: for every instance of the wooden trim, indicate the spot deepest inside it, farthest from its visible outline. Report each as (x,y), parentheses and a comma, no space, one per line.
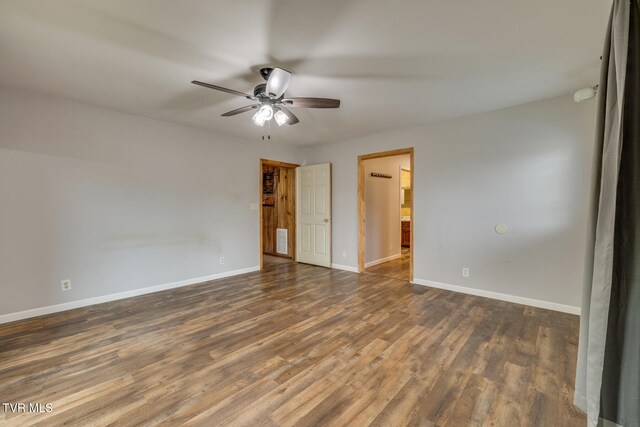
(277,163)
(294,215)
(413,224)
(361,226)
(391,153)
(267,162)
(361,233)
(260,209)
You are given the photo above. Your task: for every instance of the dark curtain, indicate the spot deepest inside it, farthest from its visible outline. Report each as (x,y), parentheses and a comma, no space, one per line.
(620,393)
(608,370)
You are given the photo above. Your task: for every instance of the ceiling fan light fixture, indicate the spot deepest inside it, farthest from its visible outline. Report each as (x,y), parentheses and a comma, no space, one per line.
(277,82)
(258,119)
(281,118)
(266,111)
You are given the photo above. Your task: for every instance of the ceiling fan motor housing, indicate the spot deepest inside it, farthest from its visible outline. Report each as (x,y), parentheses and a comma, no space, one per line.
(260,91)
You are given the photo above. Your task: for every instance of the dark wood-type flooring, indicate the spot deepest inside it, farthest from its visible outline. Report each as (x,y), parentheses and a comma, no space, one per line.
(294,345)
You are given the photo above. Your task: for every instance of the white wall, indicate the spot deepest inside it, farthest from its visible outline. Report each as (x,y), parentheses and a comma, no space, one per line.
(527,166)
(117,202)
(382,207)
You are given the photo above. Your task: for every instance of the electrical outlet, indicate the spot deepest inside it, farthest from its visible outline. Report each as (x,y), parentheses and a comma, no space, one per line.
(465,272)
(65,284)
(222,260)
(344,254)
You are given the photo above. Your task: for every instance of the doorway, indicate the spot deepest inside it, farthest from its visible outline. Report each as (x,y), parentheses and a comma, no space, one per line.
(277,210)
(385,200)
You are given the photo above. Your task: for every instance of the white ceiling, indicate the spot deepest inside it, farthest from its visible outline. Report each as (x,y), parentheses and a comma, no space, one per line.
(392,63)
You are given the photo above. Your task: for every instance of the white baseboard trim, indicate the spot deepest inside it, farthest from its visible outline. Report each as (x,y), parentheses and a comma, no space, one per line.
(381,260)
(607,423)
(26,314)
(344,267)
(499,296)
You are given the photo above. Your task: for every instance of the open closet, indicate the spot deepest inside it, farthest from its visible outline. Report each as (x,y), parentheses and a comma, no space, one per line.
(278,208)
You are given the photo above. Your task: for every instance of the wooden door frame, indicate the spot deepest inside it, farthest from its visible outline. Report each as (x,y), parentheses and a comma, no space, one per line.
(361,226)
(267,162)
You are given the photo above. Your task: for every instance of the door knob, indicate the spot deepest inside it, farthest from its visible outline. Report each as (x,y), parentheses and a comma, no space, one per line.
(326,220)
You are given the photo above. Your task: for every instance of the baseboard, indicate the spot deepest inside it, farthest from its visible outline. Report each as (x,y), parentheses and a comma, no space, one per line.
(499,296)
(607,423)
(344,267)
(12,317)
(381,260)
(20,315)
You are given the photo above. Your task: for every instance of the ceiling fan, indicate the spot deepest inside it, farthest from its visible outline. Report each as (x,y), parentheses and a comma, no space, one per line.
(271,103)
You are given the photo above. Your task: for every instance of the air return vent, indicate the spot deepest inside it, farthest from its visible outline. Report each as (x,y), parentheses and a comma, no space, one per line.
(281,244)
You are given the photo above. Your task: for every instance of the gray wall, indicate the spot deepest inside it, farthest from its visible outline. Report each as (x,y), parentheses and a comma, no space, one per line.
(528,167)
(117,202)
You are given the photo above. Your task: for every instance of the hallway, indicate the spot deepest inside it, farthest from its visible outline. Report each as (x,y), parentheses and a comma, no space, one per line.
(397,268)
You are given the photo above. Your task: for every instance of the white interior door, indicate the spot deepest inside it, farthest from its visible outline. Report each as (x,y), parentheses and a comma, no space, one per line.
(313,214)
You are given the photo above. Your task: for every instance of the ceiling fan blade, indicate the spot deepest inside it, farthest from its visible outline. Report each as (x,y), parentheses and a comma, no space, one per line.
(278,82)
(223,89)
(292,117)
(312,102)
(240,110)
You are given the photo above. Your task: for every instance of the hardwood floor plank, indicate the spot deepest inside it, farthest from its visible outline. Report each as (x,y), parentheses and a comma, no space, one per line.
(464,411)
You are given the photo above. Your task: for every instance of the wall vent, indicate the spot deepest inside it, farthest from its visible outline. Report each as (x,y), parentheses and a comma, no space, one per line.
(281,244)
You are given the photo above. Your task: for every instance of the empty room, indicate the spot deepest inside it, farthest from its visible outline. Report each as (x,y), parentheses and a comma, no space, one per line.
(319,213)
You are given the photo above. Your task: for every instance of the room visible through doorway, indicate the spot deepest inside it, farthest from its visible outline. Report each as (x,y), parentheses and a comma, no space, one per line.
(385,214)
(277,210)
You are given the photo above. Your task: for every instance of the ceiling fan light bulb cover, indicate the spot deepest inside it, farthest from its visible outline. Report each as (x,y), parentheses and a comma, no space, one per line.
(258,119)
(278,82)
(266,111)
(281,118)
